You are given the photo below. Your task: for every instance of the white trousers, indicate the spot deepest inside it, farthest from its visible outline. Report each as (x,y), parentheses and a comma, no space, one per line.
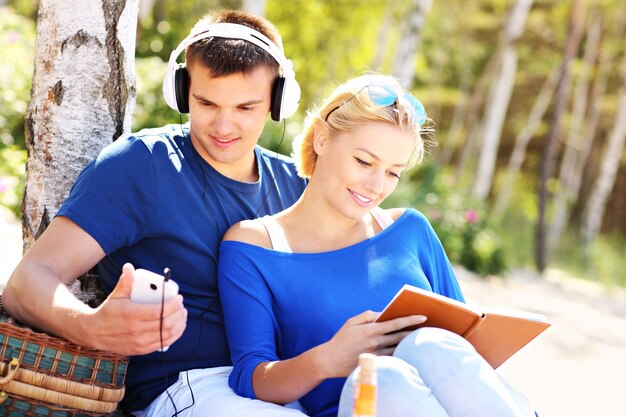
(205,393)
(435,373)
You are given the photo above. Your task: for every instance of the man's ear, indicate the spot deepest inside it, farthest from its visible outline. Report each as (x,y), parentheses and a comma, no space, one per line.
(320,138)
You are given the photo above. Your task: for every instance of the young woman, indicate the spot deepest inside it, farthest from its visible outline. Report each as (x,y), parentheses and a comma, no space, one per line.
(300,290)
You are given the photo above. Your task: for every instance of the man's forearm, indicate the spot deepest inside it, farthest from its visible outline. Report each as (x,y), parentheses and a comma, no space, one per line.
(36,297)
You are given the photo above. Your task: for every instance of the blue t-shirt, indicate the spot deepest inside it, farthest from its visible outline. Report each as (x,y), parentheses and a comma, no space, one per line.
(150,199)
(299,301)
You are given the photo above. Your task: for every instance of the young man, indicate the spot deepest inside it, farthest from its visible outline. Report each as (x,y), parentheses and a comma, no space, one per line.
(163,198)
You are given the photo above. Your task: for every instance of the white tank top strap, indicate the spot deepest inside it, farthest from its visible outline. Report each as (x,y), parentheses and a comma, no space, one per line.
(275,233)
(382,217)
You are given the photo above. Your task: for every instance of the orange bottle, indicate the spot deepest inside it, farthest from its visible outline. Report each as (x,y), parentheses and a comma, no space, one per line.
(365,387)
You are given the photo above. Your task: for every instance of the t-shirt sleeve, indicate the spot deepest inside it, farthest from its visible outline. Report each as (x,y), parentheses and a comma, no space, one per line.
(435,262)
(251,325)
(114,198)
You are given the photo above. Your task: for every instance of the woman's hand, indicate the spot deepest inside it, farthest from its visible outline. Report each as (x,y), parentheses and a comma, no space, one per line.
(361,334)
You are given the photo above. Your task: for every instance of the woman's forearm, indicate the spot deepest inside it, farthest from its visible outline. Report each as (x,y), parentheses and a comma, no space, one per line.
(282,382)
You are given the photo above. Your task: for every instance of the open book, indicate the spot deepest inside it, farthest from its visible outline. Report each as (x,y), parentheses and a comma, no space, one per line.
(496,335)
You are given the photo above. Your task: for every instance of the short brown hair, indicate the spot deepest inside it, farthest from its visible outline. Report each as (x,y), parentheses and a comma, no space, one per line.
(225,56)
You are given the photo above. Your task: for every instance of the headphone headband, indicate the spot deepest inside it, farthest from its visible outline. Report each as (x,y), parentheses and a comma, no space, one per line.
(235,31)
(285,96)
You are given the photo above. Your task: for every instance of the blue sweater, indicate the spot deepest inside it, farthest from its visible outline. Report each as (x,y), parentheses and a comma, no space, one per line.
(278,305)
(151,200)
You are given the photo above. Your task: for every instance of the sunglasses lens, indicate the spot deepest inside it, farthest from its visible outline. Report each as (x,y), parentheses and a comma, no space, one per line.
(419,112)
(381,95)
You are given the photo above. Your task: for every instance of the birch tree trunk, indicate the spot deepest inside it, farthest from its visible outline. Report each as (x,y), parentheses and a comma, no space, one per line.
(575,139)
(382,40)
(596,205)
(403,66)
(552,143)
(499,98)
(145,9)
(597,97)
(455,131)
(475,105)
(523,139)
(82,98)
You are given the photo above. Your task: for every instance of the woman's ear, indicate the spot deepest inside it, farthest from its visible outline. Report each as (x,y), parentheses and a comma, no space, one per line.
(320,138)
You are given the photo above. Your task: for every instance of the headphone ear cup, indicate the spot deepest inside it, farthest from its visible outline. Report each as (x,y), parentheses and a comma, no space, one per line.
(181,88)
(169,94)
(285,98)
(290,99)
(277,99)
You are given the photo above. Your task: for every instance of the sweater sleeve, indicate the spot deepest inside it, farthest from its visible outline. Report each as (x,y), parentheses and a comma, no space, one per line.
(251,325)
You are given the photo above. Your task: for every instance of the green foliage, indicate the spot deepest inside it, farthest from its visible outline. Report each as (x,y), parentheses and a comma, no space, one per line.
(170,22)
(12,163)
(278,136)
(151,110)
(462,223)
(601,261)
(27,8)
(516,227)
(328,42)
(17,42)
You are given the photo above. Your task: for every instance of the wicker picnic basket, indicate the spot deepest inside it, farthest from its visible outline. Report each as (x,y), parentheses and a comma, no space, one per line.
(41,375)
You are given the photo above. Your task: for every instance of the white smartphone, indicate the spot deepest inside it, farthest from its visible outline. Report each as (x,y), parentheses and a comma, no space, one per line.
(151,288)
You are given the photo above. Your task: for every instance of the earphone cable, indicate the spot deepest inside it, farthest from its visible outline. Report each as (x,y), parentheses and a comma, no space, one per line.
(273,184)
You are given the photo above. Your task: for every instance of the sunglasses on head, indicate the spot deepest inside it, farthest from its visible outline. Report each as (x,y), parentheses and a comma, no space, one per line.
(384,95)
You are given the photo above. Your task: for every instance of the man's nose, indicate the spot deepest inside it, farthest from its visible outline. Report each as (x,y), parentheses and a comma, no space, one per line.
(223,124)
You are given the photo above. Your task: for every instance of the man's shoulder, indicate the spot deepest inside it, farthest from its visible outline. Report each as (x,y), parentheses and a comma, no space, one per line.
(130,144)
(164,134)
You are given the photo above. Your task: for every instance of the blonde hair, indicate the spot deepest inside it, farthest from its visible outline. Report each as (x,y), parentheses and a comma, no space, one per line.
(347,109)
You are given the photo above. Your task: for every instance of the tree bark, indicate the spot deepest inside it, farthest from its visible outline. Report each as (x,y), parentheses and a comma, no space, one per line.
(499,98)
(82,98)
(552,142)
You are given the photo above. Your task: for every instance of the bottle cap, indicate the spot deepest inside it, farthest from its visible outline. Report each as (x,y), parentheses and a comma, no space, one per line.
(367,360)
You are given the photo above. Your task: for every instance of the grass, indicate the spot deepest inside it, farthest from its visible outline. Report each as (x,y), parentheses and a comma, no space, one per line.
(600,261)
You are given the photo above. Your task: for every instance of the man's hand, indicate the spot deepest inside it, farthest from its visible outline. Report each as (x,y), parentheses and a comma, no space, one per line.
(37,294)
(121,326)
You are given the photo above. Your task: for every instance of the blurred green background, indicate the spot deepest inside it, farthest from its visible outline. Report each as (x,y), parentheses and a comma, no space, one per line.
(452,70)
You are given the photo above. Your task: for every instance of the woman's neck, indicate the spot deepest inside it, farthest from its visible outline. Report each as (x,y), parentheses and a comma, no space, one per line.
(313,225)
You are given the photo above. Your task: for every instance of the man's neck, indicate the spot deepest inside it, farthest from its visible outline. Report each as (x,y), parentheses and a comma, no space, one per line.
(244,170)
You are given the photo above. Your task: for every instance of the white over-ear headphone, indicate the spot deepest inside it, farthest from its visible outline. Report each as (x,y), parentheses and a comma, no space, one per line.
(285,91)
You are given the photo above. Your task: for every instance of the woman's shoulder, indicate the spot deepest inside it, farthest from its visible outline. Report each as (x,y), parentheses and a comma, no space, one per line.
(398,212)
(413,216)
(249,231)
(395,213)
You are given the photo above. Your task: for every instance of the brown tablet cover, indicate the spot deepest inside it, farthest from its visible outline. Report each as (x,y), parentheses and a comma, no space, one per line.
(496,335)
